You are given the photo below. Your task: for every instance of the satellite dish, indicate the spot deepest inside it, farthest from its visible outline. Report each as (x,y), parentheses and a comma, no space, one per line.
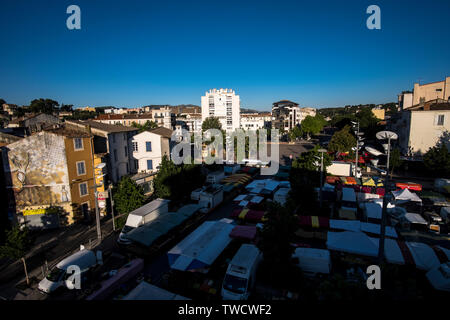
(384,135)
(373,151)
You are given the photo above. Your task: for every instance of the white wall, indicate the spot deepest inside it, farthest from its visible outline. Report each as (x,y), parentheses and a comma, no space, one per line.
(220,98)
(155,155)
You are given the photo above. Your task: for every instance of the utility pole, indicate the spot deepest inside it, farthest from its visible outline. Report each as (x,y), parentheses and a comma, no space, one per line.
(112,207)
(97,216)
(321,174)
(357,147)
(385,135)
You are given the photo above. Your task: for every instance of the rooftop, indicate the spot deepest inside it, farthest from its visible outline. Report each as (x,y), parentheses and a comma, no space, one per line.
(69,132)
(110,128)
(164,132)
(123,116)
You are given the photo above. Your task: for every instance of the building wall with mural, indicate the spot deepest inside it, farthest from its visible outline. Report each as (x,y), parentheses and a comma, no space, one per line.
(36,175)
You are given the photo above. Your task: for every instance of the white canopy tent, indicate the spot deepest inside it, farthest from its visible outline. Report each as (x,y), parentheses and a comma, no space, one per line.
(147,291)
(357,226)
(424,256)
(414,218)
(352,242)
(199,249)
(406,195)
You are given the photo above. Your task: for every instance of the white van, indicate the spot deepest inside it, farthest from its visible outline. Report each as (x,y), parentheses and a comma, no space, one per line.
(240,276)
(58,276)
(142,215)
(313,261)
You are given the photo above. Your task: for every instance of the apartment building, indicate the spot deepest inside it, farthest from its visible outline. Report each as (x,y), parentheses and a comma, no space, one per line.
(405,100)
(56,177)
(149,147)
(223,104)
(422,126)
(285,115)
(115,141)
(164,117)
(255,121)
(189,121)
(124,119)
(431,91)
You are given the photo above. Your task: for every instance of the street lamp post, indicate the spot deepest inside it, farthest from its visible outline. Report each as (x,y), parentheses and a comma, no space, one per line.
(383,135)
(322,151)
(112,206)
(97,211)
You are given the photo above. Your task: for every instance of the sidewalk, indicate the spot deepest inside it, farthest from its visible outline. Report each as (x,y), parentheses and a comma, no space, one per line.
(65,244)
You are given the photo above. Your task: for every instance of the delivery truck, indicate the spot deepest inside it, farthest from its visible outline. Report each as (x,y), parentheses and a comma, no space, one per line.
(60,276)
(241,273)
(143,215)
(343,169)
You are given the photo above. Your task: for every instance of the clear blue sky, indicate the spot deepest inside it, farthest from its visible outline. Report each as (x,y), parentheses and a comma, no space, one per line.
(133,53)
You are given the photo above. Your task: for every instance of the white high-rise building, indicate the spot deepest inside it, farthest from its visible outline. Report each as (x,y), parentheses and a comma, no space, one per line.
(223,104)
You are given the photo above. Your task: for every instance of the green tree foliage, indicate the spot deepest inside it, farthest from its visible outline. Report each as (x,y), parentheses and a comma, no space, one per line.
(43,106)
(437,160)
(313,125)
(18,242)
(305,176)
(146,126)
(276,237)
(128,196)
(176,182)
(2,102)
(394,160)
(211,123)
(66,107)
(295,133)
(342,141)
(78,114)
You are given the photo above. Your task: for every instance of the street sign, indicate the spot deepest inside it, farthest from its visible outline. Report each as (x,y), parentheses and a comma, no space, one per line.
(103,195)
(101,204)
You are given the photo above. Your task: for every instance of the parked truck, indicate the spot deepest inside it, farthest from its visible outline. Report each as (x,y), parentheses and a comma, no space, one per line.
(344,169)
(143,215)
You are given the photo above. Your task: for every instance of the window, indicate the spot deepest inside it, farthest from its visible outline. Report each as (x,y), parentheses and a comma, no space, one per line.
(440,120)
(78,143)
(149,164)
(128,168)
(115,154)
(136,164)
(126,151)
(148,146)
(135,146)
(83,189)
(81,169)
(124,136)
(114,138)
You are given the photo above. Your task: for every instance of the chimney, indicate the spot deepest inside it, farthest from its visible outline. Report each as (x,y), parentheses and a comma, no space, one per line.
(426,106)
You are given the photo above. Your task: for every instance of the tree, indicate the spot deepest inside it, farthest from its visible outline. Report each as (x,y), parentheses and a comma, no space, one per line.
(276,237)
(211,123)
(295,133)
(312,125)
(304,176)
(128,196)
(394,160)
(47,106)
(146,126)
(2,102)
(66,107)
(18,242)
(342,141)
(437,160)
(176,182)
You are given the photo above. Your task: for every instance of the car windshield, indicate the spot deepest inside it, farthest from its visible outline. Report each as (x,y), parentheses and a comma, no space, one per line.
(235,284)
(127,229)
(55,275)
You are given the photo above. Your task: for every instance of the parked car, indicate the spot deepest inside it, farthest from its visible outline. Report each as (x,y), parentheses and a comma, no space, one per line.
(59,276)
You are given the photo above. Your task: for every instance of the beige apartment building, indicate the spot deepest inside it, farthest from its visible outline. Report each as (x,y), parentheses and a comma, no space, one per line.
(422,126)
(431,91)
